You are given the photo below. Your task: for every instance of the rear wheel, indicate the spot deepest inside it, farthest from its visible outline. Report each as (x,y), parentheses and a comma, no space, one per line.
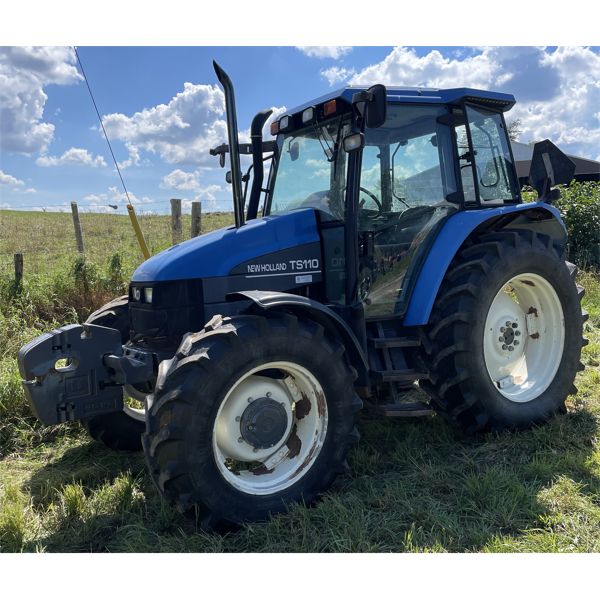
(119,430)
(506,333)
(252,414)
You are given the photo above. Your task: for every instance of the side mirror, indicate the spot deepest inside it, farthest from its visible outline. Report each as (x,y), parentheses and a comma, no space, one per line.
(549,167)
(377,106)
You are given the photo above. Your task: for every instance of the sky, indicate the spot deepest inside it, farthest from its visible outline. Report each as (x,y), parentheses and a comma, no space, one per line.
(163,110)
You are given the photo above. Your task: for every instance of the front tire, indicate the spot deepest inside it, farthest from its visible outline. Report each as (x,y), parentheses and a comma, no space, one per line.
(505,333)
(120,430)
(252,414)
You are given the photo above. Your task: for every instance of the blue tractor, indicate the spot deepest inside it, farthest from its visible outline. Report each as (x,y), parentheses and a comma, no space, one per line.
(385,249)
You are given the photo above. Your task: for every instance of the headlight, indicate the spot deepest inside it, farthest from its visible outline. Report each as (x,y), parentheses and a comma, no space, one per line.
(136,293)
(148,295)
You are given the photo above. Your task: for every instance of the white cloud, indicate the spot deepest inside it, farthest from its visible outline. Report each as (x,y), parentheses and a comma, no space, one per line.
(72,157)
(133,159)
(113,196)
(335,75)
(403,67)
(567,115)
(24,72)
(181,131)
(180,180)
(557,91)
(334,52)
(6,179)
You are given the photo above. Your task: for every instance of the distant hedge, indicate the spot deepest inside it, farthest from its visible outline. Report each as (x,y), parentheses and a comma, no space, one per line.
(579,206)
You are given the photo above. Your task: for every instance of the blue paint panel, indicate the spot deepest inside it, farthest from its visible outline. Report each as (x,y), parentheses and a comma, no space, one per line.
(215,254)
(454,232)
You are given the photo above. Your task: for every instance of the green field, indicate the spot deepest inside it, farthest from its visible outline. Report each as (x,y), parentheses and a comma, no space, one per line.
(415,485)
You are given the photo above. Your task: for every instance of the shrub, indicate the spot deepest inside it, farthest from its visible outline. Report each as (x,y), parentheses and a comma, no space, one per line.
(579,206)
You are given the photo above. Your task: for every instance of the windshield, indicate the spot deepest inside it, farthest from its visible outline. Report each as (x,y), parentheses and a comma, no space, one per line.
(311,172)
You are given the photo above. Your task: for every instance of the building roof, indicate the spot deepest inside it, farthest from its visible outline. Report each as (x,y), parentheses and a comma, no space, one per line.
(523,152)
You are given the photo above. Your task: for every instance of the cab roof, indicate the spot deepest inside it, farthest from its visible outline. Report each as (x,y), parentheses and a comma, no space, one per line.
(412,95)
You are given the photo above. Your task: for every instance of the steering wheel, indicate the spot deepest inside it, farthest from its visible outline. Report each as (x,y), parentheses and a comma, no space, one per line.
(374,198)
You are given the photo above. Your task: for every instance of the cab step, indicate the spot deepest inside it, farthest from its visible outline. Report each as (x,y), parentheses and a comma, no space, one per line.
(394,342)
(406,409)
(403,375)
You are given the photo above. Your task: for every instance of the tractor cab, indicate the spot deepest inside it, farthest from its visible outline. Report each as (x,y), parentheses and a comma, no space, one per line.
(434,153)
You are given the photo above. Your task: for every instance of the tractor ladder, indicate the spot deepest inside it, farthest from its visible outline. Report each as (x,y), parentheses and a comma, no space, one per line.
(390,371)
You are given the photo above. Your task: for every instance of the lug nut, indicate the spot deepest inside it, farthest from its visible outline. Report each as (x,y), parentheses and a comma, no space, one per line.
(250,399)
(503,346)
(510,348)
(240,440)
(517,332)
(500,339)
(269,394)
(515,325)
(516,342)
(508,323)
(502,329)
(238,419)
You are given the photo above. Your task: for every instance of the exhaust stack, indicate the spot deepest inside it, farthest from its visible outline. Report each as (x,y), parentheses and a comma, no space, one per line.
(257,161)
(234,151)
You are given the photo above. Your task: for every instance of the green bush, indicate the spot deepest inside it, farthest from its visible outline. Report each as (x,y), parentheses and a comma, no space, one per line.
(579,206)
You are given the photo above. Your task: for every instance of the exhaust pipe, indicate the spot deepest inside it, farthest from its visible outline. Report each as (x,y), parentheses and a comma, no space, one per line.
(257,161)
(234,151)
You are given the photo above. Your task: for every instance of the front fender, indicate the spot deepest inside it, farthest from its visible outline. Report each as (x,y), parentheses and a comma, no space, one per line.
(538,216)
(317,312)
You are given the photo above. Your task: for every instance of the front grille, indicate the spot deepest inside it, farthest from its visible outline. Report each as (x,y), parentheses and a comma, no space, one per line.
(177,307)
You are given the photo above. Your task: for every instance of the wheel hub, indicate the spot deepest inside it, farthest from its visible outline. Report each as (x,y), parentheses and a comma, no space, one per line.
(509,334)
(263,423)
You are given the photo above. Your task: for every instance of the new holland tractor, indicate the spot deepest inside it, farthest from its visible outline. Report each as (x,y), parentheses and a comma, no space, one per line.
(382,245)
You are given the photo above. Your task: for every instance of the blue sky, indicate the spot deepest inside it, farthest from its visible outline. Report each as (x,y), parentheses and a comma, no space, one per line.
(163,109)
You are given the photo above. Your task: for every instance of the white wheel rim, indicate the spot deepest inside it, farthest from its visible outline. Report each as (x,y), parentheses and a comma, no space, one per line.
(139,414)
(524,337)
(261,471)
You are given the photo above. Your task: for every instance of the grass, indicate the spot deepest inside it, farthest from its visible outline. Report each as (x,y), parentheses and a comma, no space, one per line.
(415,485)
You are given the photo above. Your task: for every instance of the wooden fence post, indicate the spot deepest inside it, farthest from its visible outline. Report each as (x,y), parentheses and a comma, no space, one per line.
(196,218)
(18,269)
(77,225)
(176,220)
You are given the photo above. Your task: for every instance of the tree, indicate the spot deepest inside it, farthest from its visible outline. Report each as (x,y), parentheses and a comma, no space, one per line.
(514,130)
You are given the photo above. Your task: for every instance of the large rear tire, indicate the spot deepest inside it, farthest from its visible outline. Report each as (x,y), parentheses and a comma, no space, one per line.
(252,414)
(120,430)
(505,333)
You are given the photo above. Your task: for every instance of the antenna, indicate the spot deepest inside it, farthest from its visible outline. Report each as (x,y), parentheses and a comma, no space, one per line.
(102,124)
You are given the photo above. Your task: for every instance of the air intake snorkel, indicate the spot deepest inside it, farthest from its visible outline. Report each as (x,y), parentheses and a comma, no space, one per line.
(257,161)
(234,151)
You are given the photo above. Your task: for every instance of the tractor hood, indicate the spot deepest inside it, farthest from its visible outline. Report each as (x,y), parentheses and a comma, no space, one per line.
(217,253)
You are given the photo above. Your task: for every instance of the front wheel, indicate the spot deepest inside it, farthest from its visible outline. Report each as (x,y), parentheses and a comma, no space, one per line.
(506,333)
(252,414)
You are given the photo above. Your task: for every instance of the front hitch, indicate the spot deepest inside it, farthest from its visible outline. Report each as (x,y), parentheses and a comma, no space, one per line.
(88,381)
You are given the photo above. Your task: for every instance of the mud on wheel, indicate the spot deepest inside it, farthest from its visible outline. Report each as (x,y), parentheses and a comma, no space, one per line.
(252,414)
(505,333)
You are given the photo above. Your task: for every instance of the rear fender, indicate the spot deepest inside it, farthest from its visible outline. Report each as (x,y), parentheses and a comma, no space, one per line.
(538,216)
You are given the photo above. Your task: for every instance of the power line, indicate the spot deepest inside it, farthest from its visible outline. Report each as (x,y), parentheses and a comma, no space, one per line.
(101,123)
